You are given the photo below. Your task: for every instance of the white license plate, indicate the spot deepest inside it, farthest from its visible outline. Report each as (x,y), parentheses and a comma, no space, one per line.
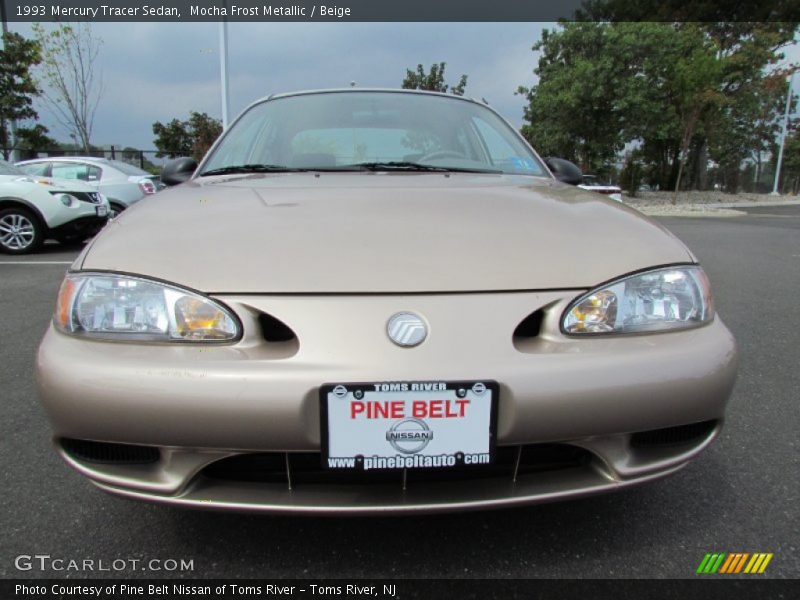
(408,425)
(102,211)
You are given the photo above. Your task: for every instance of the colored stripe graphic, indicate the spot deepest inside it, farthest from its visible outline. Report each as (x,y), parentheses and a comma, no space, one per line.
(729,563)
(703,563)
(711,563)
(740,563)
(734,562)
(758,563)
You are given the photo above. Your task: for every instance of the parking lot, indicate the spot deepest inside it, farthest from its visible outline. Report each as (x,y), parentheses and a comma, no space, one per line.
(742,495)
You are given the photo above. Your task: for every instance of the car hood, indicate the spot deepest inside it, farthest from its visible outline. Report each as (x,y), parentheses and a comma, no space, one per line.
(380,232)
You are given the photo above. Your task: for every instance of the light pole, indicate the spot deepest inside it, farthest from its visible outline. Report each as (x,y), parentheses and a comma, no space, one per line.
(779,164)
(223,69)
(13,122)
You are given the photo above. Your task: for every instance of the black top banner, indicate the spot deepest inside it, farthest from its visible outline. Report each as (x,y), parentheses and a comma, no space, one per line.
(399,10)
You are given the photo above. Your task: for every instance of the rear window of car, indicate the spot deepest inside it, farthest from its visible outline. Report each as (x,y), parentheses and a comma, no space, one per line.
(9,169)
(128,168)
(81,171)
(31,169)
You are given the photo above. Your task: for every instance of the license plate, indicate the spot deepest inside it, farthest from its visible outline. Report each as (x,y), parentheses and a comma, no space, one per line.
(102,211)
(408,425)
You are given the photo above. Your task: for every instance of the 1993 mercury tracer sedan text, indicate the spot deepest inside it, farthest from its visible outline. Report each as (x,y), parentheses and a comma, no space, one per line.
(380,300)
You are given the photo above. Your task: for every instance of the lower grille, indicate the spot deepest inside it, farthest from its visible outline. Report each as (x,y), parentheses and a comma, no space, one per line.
(107,453)
(306,467)
(672,436)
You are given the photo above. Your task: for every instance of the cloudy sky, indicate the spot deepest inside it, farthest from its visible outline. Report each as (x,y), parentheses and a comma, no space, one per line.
(159,71)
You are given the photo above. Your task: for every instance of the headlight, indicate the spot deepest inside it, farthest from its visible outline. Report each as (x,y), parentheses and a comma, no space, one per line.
(117,307)
(67,200)
(659,300)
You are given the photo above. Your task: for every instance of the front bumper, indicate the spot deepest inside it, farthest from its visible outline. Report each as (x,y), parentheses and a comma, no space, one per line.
(202,404)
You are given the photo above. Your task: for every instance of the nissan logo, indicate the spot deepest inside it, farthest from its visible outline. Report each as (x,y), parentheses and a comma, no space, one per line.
(409,436)
(407,329)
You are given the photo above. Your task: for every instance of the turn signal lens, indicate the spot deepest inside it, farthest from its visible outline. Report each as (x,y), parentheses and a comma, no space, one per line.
(659,300)
(65,296)
(197,319)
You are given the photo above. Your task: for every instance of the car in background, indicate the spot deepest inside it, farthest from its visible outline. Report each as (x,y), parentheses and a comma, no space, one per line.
(594,184)
(33,209)
(122,183)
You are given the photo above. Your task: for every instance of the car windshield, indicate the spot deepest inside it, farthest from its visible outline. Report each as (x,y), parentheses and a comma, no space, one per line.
(371,130)
(9,169)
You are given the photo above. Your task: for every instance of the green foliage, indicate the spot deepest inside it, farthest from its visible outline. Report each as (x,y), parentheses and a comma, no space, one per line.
(679,92)
(790,175)
(186,138)
(433,80)
(632,174)
(30,140)
(17,85)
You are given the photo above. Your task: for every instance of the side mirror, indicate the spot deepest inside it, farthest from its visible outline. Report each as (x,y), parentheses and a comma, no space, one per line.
(178,170)
(564,170)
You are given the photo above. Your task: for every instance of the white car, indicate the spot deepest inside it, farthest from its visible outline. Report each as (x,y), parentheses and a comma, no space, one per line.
(123,184)
(594,184)
(33,209)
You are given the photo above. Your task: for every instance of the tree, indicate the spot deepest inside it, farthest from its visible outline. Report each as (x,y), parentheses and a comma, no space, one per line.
(72,85)
(790,171)
(745,126)
(192,137)
(695,83)
(682,93)
(30,140)
(17,85)
(432,81)
(591,86)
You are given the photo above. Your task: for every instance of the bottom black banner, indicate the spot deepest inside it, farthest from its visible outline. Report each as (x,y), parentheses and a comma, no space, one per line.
(250,589)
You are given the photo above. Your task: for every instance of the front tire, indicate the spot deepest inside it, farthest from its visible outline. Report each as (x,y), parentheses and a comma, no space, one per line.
(20,231)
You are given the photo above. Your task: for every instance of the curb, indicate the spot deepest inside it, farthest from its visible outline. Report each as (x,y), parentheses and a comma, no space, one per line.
(722,209)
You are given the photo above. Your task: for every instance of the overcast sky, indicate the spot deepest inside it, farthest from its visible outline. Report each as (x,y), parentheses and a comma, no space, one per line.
(159,71)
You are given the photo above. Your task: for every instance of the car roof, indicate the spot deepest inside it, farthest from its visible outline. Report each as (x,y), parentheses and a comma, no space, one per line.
(95,159)
(350,90)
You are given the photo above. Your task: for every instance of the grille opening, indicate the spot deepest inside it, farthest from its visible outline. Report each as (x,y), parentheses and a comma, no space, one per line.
(306,467)
(530,326)
(275,330)
(108,453)
(672,436)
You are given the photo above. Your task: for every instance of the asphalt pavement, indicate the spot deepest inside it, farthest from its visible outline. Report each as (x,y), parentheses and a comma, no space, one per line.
(741,495)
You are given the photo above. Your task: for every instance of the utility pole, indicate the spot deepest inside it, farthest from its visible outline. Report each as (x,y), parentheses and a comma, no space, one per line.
(13,124)
(779,164)
(223,69)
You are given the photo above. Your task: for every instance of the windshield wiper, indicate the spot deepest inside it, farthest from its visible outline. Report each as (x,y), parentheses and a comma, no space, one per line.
(395,165)
(254,168)
(365,166)
(413,166)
